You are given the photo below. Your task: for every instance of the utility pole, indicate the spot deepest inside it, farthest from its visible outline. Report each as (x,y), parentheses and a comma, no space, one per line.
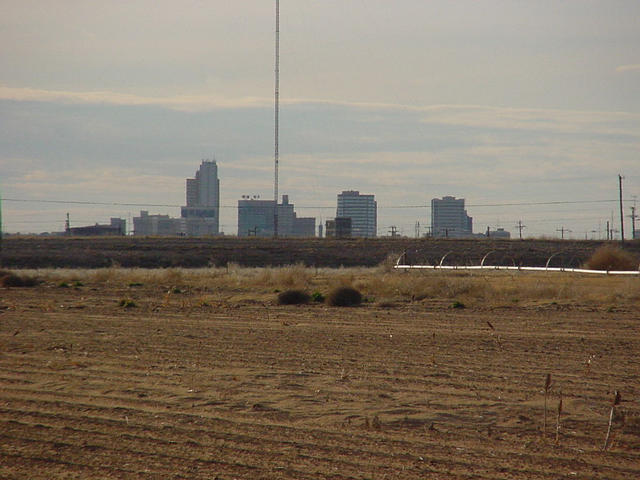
(417,229)
(562,230)
(620,177)
(608,231)
(633,222)
(67,225)
(520,226)
(276,115)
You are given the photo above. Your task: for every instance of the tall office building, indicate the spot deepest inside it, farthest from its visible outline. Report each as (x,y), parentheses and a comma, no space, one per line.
(202,212)
(363,211)
(449,218)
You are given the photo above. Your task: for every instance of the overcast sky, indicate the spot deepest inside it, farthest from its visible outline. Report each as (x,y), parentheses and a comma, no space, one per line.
(498,102)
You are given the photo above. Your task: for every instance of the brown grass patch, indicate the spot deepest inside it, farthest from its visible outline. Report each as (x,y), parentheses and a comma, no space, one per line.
(494,288)
(11,279)
(612,258)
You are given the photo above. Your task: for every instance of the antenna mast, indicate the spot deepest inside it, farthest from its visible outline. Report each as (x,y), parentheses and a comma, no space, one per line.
(277,112)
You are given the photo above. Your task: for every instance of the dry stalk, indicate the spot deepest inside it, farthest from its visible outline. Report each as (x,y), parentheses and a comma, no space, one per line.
(547,386)
(495,336)
(616,401)
(558,419)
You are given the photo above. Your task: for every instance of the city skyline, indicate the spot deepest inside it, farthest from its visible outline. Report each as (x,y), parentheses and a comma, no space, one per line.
(203,202)
(498,102)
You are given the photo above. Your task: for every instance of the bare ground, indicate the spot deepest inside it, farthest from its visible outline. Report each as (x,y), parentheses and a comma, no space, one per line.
(180,386)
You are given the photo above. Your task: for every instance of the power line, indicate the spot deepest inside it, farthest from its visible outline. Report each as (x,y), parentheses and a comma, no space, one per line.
(169,205)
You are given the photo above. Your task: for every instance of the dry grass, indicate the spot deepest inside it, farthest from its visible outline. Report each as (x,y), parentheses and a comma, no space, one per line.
(492,288)
(11,279)
(612,258)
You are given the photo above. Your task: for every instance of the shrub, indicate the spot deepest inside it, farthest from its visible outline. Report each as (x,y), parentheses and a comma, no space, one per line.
(458,304)
(344,297)
(10,279)
(317,297)
(293,297)
(127,303)
(611,258)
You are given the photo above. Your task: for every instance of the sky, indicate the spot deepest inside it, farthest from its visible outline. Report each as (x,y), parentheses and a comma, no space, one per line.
(528,110)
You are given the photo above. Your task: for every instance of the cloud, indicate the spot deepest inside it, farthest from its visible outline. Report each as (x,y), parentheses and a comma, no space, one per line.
(635,67)
(181,103)
(70,146)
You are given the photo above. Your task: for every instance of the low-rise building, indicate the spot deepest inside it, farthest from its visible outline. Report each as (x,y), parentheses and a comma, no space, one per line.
(339,227)
(498,233)
(148,225)
(117,226)
(257,218)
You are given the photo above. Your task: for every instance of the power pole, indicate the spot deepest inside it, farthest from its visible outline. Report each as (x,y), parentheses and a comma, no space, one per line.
(562,230)
(276,118)
(417,227)
(633,222)
(67,225)
(520,226)
(620,177)
(608,231)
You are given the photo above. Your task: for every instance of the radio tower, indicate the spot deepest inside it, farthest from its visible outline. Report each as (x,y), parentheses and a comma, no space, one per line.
(277,108)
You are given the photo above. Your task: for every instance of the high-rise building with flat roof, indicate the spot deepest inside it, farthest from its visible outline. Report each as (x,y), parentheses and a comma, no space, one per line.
(363,211)
(202,212)
(449,218)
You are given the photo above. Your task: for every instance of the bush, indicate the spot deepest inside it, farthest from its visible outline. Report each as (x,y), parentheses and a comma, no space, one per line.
(317,297)
(10,279)
(293,297)
(612,258)
(344,297)
(127,303)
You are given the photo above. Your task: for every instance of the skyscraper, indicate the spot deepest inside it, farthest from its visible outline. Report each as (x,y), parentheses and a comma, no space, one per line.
(363,211)
(449,218)
(202,212)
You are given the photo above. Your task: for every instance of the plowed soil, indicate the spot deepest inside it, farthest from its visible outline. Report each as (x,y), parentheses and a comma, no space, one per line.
(195,252)
(171,389)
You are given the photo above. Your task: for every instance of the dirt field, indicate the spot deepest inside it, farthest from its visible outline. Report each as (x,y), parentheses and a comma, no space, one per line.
(197,252)
(195,381)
